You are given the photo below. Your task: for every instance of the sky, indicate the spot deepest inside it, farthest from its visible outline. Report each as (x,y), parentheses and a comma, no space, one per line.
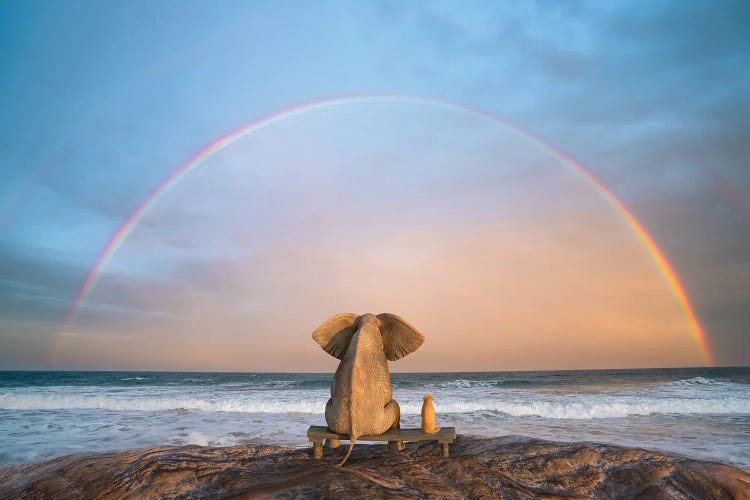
(461,165)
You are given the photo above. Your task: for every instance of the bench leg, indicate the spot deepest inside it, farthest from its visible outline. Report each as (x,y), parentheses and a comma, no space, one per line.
(396,445)
(317,450)
(445,449)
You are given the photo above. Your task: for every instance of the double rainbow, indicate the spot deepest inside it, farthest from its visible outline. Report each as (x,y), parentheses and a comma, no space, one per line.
(196,160)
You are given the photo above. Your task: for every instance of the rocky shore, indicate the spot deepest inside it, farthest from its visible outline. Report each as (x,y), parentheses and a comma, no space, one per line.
(503,467)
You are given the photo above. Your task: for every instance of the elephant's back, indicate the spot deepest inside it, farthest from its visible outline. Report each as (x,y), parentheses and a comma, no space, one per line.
(338,416)
(361,387)
(371,375)
(359,393)
(373,381)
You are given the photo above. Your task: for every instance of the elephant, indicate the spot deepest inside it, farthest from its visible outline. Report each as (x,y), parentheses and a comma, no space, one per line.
(361,394)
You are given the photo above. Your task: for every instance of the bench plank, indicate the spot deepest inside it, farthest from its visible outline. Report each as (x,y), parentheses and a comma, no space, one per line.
(444,435)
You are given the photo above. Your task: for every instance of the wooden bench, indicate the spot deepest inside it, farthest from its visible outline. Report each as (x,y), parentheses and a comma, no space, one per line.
(317,433)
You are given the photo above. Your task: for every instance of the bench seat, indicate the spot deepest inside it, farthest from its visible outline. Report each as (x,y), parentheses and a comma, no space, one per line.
(445,436)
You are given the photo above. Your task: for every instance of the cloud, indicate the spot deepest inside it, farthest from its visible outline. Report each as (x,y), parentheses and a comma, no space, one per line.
(35,287)
(652,98)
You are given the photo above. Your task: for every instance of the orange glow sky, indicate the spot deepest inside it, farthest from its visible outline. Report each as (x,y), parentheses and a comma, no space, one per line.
(499,253)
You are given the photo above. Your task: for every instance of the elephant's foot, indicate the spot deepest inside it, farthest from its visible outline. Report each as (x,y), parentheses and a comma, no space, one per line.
(333,443)
(393,414)
(396,445)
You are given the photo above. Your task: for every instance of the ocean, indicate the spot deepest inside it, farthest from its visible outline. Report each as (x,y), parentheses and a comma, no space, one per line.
(697,412)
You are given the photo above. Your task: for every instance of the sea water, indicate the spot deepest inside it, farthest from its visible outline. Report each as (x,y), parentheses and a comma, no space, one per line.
(697,412)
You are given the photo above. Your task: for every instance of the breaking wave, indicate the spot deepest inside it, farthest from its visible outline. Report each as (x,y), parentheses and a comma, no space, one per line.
(465,384)
(580,406)
(596,407)
(20,401)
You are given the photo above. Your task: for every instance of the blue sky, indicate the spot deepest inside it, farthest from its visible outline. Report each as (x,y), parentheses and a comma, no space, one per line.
(101,100)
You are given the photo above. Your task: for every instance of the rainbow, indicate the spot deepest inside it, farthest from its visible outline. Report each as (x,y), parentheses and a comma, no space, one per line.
(198,158)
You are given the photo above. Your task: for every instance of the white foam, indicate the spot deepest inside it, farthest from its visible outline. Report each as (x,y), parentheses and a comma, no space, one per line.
(700,380)
(198,438)
(37,401)
(572,406)
(464,384)
(590,407)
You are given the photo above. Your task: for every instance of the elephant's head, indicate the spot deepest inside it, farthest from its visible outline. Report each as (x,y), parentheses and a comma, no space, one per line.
(361,394)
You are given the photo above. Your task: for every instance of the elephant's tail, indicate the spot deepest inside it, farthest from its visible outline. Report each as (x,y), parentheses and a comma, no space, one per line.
(351,447)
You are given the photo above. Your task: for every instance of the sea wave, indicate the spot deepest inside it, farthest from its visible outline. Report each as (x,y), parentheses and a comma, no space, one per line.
(698,386)
(464,384)
(596,407)
(699,380)
(277,384)
(562,407)
(695,382)
(21,401)
(702,382)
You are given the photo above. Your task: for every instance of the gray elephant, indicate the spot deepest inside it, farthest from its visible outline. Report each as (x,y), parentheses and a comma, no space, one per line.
(361,394)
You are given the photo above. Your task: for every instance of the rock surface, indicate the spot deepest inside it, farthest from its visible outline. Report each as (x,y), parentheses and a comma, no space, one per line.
(504,467)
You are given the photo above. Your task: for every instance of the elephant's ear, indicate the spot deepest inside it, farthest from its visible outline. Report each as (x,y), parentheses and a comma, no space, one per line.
(335,334)
(399,337)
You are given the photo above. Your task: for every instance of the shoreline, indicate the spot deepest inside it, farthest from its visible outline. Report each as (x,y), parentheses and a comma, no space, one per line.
(479,467)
